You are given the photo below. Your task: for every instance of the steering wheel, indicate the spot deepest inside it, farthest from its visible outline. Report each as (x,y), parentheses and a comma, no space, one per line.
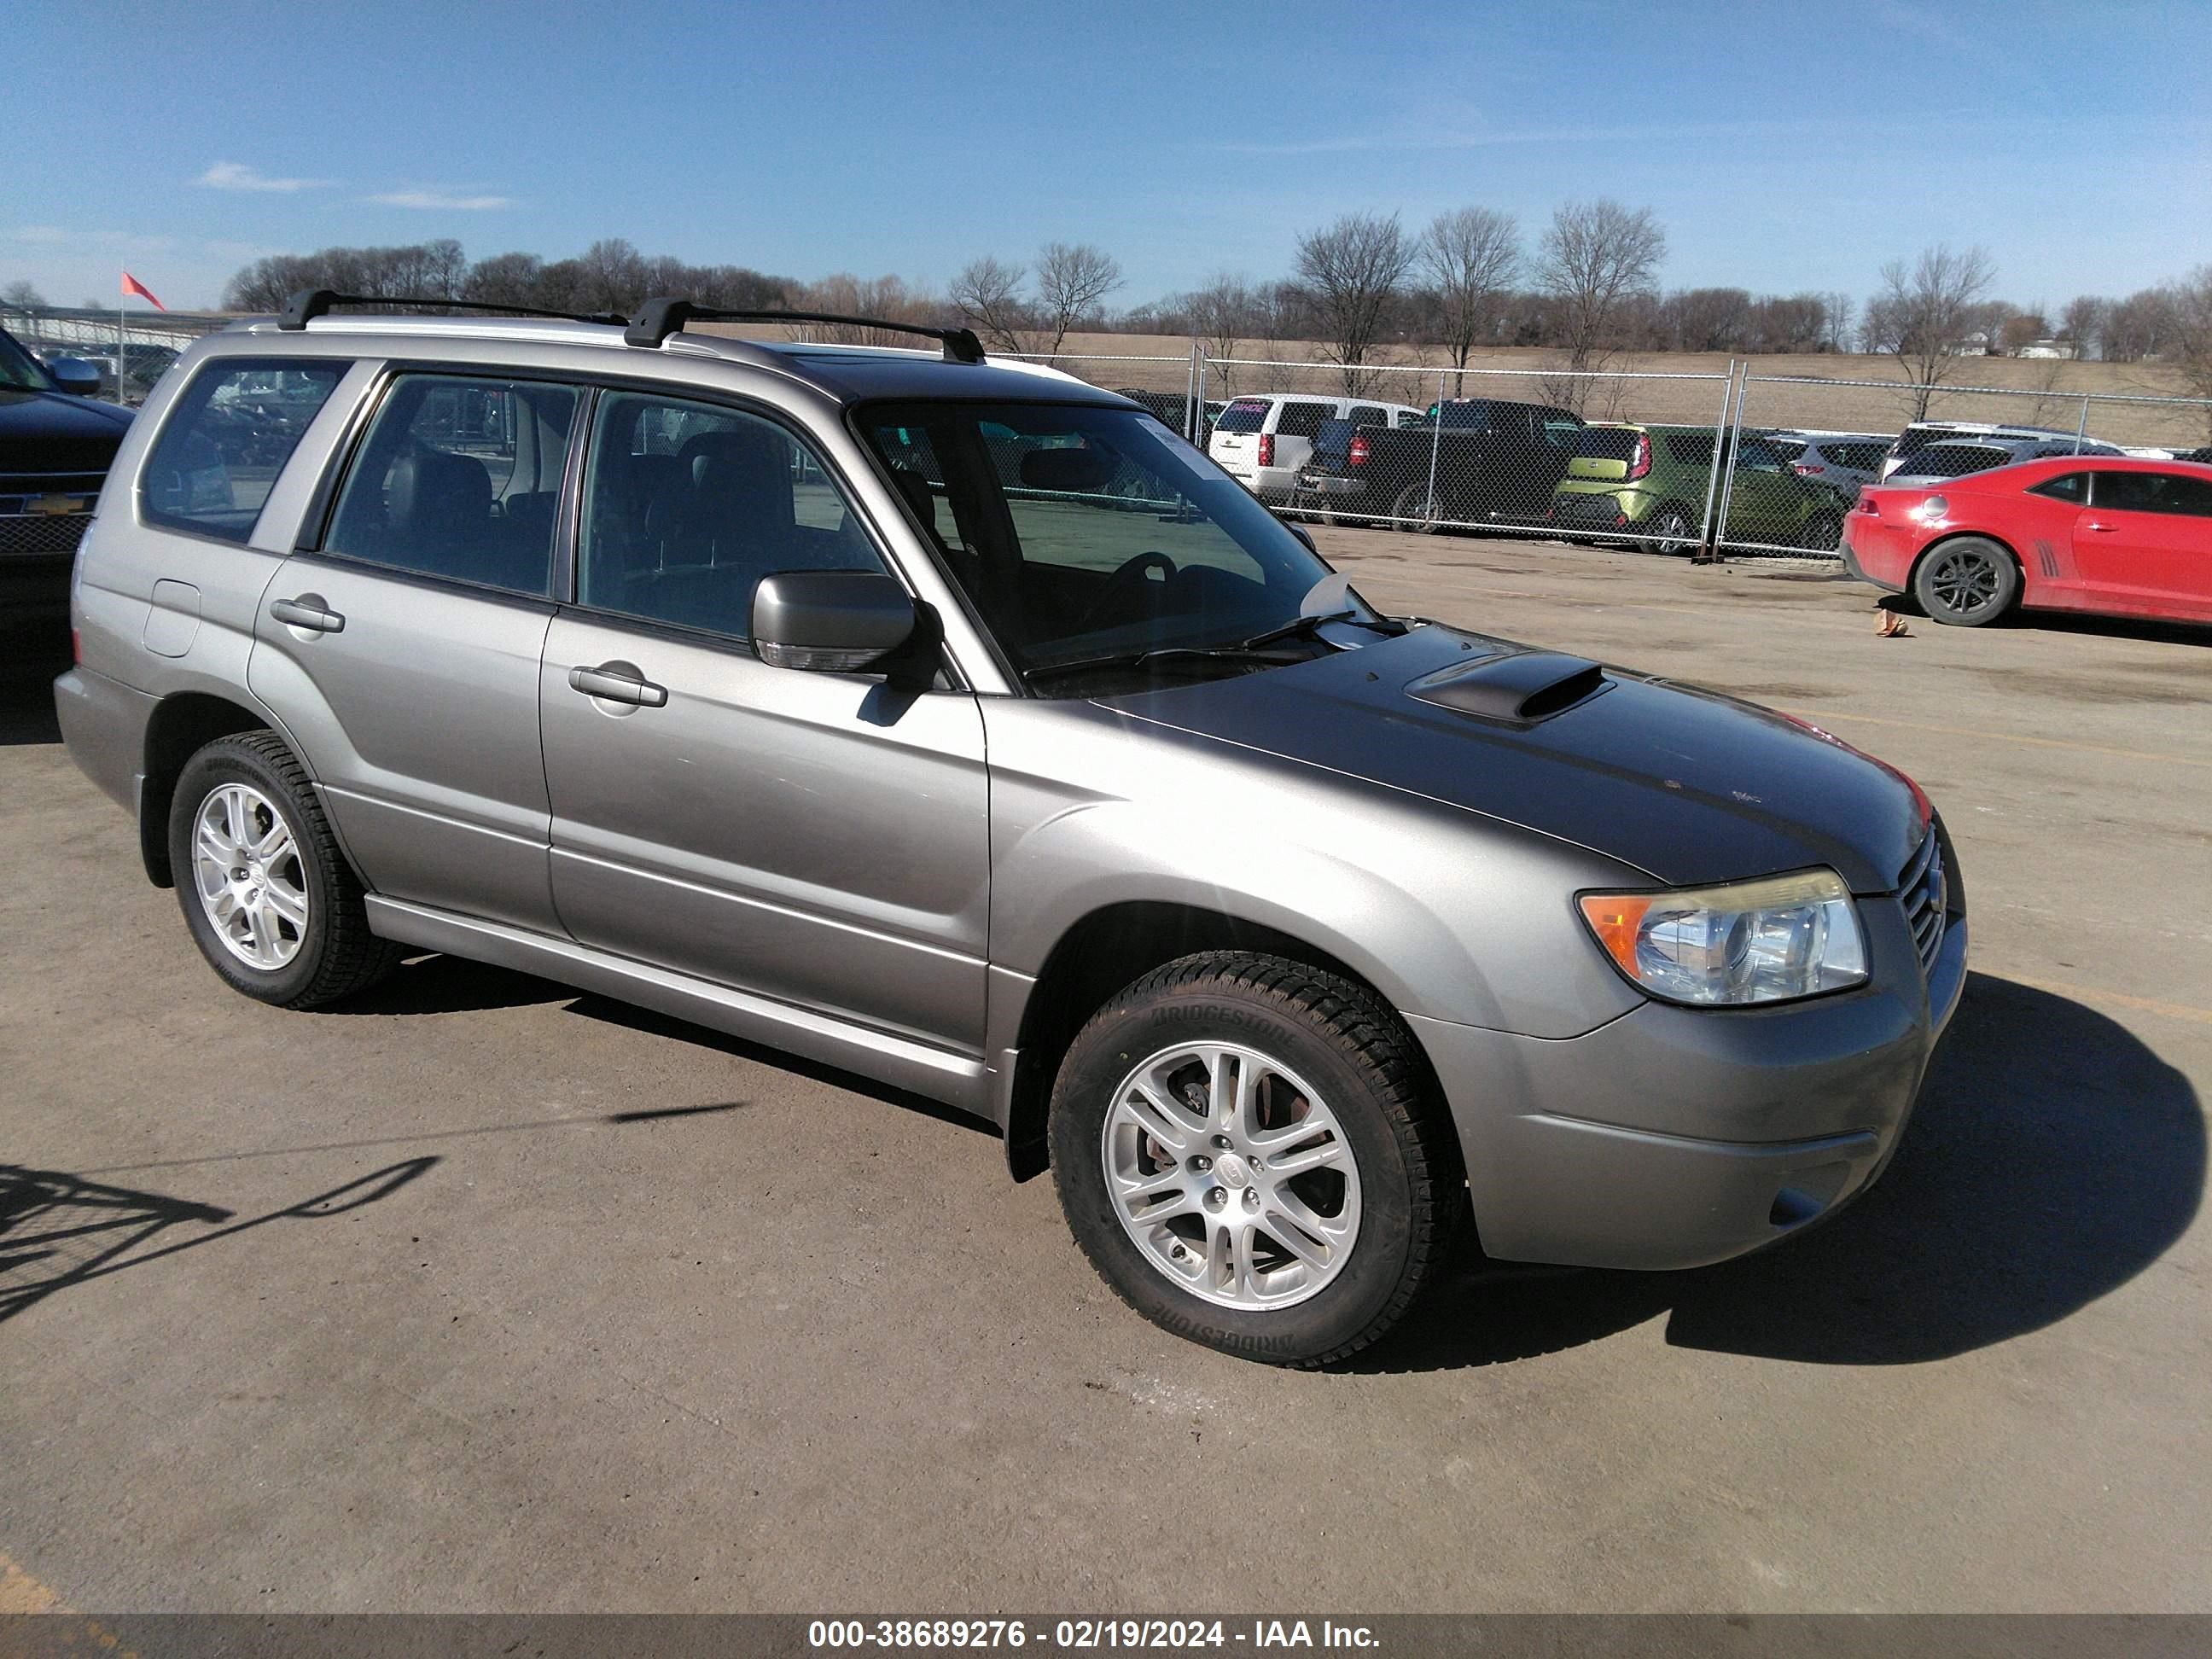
(1128,576)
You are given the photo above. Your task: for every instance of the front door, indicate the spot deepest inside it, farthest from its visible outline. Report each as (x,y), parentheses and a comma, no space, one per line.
(2145,541)
(810,837)
(404,658)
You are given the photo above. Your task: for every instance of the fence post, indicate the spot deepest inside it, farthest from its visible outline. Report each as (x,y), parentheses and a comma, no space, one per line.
(1728,482)
(1436,442)
(1708,538)
(2081,430)
(1198,404)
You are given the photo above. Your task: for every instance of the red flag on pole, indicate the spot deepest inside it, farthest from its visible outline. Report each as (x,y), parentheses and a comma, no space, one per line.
(132,285)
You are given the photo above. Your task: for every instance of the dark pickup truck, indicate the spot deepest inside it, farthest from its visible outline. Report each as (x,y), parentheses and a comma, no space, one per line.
(1474,460)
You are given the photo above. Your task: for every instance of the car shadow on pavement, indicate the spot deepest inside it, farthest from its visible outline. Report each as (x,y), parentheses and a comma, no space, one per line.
(27,667)
(58,1231)
(2052,1158)
(435,984)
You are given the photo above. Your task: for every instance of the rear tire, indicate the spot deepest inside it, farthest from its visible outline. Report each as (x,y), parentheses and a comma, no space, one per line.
(1673,534)
(1176,1112)
(1966,583)
(270,899)
(1416,502)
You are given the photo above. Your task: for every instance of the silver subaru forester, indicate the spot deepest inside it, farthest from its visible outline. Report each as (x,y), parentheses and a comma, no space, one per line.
(951,722)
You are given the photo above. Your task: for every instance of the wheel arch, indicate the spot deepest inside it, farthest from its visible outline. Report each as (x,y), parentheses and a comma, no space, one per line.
(179,727)
(1112,947)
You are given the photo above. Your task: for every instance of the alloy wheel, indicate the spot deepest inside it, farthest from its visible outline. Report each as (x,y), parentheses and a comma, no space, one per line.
(1965,580)
(1231,1175)
(252,882)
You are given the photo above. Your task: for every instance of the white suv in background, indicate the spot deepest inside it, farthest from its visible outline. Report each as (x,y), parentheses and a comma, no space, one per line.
(1263,441)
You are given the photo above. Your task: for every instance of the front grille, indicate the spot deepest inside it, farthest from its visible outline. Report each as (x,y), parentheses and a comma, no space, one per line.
(43,533)
(1924,890)
(18,490)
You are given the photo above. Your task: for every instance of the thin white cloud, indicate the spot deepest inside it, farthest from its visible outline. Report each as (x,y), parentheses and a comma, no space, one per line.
(441,200)
(236,175)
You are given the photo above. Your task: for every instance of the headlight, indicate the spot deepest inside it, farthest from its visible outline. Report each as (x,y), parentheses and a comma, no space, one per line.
(1751,941)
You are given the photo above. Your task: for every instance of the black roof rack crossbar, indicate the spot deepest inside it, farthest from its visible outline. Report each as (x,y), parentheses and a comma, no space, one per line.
(310,303)
(659,318)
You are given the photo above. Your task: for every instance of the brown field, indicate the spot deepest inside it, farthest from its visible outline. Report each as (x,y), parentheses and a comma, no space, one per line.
(1829,392)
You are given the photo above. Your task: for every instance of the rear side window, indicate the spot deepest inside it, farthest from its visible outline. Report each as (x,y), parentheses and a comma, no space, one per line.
(1690,448)
(2154,492)
(459,478)
(2066,487)
(1245,415)
(226,440)
(1302,420)
(1368,415)
(1860,457)
(1790,448)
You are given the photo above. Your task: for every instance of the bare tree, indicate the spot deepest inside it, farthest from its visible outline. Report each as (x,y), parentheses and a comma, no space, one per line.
(1071,279)
(2191,302)
(23,294)
(2082,323)
(1924,313)
(886,297)
(1350,271)
(1222,315)
(1597,256)
(987,294)
(1711,318)
(1836,310)
(1470,256)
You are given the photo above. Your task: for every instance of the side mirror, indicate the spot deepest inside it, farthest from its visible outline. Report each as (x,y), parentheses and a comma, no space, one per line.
(75,375)
(1304,535)
(835,622)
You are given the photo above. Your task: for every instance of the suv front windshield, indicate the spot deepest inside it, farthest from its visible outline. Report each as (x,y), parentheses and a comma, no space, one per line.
(1081,531)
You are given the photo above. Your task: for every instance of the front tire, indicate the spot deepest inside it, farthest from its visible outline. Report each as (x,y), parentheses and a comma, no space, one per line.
(1966,583)
(1251,1154)
(270,899)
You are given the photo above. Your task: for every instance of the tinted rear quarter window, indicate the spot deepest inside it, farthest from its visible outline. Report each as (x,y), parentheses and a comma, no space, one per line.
(2066,487)
(229,436)
(1690,448)
(1955,461)
(1301,419)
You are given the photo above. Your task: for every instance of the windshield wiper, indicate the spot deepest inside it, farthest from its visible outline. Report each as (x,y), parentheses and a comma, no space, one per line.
(1302,627)
(1298,627)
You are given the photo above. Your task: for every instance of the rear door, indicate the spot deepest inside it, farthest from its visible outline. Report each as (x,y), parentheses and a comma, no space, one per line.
(402,652)
(1296,427)
(2144,542)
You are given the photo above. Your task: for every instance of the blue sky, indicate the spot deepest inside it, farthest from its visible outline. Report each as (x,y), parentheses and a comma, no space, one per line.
(1784,147)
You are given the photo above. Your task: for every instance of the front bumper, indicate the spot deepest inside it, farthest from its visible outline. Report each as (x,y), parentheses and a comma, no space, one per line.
(1674,1136)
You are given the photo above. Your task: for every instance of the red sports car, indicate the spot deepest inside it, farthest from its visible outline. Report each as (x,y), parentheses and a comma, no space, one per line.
(2075,532)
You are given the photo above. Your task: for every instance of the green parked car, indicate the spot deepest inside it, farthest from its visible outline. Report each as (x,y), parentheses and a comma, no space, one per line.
(1652,483)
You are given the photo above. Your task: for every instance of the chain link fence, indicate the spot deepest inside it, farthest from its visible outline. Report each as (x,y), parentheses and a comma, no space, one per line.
(1613,456)
(130,348)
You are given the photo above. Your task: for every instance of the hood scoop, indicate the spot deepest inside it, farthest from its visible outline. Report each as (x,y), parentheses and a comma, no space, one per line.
(1519,687)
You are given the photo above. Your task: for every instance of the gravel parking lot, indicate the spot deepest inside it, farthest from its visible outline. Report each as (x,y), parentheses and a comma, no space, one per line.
(485,1295)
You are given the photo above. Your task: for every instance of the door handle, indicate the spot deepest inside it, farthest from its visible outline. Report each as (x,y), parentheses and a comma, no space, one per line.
(308,611)
(618,683)
(2102,529)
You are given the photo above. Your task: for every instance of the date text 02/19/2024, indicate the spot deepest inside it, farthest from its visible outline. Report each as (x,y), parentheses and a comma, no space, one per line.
(1081,1635)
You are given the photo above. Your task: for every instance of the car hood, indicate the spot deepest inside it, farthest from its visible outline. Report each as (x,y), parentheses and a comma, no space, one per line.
(1689,785)
(57,432)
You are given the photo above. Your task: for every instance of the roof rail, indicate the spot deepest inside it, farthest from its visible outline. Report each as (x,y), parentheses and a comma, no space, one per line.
(310,303)
(661,318)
